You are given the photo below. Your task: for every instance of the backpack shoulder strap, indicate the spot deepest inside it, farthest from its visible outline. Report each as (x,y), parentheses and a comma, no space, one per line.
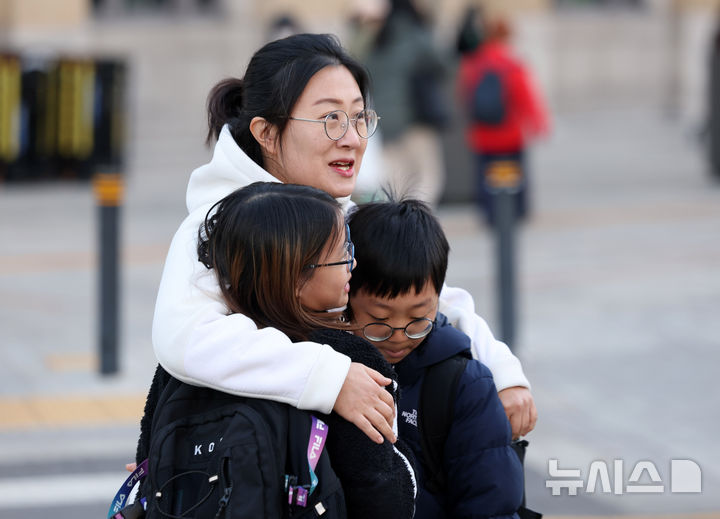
(436,410)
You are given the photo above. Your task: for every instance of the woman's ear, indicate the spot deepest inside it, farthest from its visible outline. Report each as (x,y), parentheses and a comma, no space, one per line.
(265,133)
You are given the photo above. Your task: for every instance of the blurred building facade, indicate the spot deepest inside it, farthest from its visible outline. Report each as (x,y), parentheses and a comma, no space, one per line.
(586,53)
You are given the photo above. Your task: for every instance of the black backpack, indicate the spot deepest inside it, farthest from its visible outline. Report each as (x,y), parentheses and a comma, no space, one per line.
(435,415)
(489,99)
(212,454)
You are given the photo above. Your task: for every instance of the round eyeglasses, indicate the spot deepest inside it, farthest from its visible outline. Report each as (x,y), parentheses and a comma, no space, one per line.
(417,329)
(337,122)
(349,257)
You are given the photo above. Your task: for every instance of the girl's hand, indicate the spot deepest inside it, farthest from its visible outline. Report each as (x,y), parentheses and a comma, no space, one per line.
(130,467)
(364,402)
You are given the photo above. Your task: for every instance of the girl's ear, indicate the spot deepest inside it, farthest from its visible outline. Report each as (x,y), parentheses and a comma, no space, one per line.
(299,289)
(265,133)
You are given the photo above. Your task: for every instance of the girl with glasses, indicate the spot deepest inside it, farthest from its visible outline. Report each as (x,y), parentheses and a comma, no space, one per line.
(299,115)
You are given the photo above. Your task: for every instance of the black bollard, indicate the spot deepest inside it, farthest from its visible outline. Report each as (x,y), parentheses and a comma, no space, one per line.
(108,191)
(107,157)
(503,178)
(714,104)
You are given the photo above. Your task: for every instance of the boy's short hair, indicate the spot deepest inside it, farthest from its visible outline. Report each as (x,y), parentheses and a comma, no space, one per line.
(399,245)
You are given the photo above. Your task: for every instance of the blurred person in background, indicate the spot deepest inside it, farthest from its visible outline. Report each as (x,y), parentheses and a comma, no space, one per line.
(365,20)
(505,112)
(299,115)
(408,74)
(283,25)
(471,32)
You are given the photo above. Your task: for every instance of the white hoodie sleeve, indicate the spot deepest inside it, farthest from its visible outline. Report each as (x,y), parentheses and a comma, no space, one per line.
(199,343)
(457,304)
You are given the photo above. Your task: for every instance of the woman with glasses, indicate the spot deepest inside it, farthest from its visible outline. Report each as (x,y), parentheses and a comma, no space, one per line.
(299,115)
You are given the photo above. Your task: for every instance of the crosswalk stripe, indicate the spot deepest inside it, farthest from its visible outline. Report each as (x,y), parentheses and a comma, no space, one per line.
(45,491)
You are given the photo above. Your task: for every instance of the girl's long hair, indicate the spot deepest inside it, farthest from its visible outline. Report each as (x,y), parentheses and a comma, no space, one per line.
(259,240)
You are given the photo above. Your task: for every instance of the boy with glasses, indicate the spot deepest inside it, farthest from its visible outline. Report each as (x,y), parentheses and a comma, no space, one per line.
(402,257)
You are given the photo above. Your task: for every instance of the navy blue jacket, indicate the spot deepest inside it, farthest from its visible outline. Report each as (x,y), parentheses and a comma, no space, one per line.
(484,474)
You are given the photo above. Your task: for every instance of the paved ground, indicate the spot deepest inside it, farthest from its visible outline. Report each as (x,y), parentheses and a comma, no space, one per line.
(619,290)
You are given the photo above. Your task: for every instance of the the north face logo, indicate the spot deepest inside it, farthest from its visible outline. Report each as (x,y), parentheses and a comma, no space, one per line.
(410,418)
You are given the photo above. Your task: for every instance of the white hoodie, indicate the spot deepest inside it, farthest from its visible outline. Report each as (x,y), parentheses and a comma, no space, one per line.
(197,342)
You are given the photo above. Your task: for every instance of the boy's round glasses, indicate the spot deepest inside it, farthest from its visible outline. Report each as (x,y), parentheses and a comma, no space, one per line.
(349,255)
(336,123)
(416,329)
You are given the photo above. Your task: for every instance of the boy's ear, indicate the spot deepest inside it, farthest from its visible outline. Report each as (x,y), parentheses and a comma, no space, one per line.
(265,133)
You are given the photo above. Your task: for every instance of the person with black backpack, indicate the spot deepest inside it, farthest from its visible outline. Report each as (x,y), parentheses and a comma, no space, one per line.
(409,73)
(467,468)
(283,257)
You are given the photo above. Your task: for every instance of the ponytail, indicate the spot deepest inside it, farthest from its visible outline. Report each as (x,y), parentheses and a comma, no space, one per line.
(224,103)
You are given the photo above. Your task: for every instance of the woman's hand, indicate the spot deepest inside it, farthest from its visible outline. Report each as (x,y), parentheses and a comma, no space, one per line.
(364,401)
(520,409)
